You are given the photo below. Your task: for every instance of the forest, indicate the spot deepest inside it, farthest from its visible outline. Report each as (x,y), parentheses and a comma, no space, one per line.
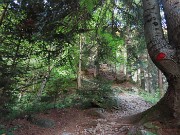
(89,67)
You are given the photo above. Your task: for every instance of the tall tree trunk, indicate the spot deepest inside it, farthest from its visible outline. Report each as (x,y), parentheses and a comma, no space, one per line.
(128,66)
(115,67)
(138,77)
(124,65)
(80,63)
(46,76)
(128,54)
(96,70)
(142,75)
(96,61)
(165,55)
(44,82)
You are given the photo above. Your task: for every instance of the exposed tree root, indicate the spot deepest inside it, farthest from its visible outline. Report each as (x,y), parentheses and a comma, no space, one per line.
(163,112)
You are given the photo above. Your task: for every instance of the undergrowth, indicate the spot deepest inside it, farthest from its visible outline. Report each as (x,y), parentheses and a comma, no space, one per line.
(97,93)
(7,131)
(21,109)
(149,97)
(94,93)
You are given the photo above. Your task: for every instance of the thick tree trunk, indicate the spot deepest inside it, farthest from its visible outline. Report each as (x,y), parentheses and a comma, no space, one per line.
(171,9)
(165,55)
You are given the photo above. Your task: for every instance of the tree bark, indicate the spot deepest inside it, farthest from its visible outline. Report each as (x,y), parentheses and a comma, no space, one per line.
(171,9)
(96,70)
(142,78)
(44,82)
(80,63)
(164,54)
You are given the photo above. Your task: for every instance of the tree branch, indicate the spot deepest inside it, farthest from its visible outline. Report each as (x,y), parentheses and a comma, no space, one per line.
(3,13)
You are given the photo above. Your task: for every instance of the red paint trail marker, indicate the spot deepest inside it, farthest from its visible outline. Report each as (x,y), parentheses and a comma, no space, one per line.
(160,56)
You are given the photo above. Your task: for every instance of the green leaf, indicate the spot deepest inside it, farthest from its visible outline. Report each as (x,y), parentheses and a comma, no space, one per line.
(89,4)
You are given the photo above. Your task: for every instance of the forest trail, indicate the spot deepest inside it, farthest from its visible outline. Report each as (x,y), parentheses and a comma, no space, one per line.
(91,121)
(94,121)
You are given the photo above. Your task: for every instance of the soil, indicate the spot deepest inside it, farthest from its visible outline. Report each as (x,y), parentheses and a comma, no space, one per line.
(93,121)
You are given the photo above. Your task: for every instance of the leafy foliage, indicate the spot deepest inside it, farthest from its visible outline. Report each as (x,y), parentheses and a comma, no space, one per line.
(3,130)
(152,98)
(89,4)
(39,50)
(97,93)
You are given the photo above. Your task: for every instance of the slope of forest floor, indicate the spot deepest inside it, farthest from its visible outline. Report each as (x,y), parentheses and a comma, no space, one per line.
(93,121)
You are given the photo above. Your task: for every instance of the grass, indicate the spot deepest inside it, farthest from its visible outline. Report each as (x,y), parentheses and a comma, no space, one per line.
(149,97)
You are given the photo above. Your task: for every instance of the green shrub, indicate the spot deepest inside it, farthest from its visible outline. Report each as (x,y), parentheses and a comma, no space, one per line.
(7,131)
(152,98)
(97,93)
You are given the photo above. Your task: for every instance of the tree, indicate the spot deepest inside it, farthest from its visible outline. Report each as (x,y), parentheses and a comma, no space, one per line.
(165,55)
(79,84)
(36,37)
(3,13)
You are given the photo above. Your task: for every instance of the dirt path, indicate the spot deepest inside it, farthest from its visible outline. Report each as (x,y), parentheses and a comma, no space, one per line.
(104,125)
(94,121)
